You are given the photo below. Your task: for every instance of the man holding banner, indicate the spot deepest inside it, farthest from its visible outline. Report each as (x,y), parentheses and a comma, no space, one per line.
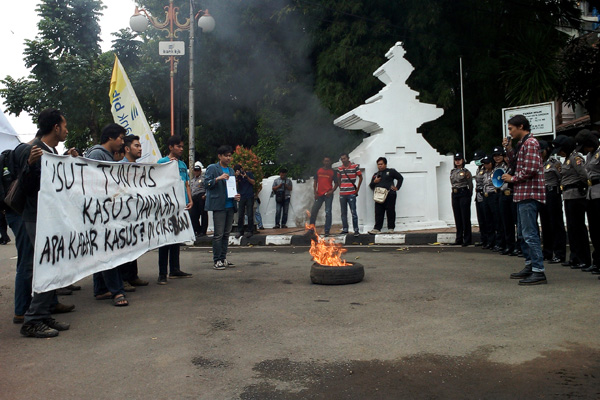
(169,254)
(108,284)
(38,321)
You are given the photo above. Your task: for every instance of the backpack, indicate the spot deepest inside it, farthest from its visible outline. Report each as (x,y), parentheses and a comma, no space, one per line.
(9,171)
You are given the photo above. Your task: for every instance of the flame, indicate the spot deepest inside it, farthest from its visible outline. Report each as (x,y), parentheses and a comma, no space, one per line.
(326,251)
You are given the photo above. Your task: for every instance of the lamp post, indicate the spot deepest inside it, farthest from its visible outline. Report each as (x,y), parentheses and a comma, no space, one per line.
(171,25)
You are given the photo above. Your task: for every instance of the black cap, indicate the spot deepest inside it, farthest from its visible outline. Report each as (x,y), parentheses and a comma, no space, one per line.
(498,151)
(563,143)
(458,156)
(544,145)
(486,160)
(478,155)
(586,138)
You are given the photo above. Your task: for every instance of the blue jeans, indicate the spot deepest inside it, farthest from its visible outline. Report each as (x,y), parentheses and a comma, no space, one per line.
(328,200)
(24,276)
(257,215)
(222,221)
(345,201)
(279,207)
(528,227)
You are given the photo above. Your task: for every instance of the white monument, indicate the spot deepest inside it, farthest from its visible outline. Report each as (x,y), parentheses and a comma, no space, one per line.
(391,118)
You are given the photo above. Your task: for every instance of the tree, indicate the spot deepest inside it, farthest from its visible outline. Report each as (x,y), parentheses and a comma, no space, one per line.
(67,70)
(581,74)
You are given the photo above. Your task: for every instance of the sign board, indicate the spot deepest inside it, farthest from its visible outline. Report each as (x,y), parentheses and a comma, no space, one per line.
(540,117)
(171,48)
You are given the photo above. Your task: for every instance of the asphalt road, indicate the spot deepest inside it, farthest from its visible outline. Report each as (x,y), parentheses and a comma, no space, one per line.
(426,323)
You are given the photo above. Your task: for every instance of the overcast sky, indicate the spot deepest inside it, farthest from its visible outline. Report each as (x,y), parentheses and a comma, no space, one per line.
(18,22)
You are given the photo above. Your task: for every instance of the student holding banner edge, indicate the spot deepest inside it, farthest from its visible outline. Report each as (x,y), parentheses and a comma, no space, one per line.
(52,125)
(108,284)
(169,254)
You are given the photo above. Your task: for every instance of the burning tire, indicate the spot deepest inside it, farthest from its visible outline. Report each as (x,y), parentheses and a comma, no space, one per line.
(343,275)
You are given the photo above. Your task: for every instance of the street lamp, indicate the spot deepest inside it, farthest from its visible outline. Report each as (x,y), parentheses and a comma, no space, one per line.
(171,25)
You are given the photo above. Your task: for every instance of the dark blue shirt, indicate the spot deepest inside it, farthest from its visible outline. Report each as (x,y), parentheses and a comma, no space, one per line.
(245,188)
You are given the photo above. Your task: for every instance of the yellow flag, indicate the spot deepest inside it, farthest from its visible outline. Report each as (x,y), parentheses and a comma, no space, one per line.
(128,113)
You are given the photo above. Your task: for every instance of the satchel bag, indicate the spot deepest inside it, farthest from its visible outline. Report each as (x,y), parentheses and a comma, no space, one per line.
(380,194)
(15,197)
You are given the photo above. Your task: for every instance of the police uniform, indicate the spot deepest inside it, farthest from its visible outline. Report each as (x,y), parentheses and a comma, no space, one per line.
(462,188)
(490,207)
(551,214)
(574,186)
(592,166)
(479,205)
(498,223)
(505,206)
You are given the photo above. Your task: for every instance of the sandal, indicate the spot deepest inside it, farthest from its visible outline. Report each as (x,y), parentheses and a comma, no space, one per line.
(120,301)
(104,296)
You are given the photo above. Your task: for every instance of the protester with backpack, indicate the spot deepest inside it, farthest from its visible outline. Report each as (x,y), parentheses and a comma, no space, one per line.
(282,189)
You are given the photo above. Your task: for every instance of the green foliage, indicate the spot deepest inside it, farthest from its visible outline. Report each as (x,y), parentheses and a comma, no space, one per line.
(581,74)
(250,162)
(275,73)
(67,70)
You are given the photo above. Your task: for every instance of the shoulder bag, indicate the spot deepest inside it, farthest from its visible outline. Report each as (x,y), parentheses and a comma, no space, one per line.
(380,194)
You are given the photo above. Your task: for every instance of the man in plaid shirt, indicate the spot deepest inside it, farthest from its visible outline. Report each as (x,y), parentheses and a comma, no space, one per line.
(529,192)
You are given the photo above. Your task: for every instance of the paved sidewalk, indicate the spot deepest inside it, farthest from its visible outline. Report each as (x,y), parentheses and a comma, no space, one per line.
(297,237)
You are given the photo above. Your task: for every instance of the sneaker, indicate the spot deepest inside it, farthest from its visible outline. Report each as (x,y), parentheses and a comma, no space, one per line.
(128,287)
(536,278)
(219,265)
(54,324)
(344,232)
(228,264)
(162,280)
(356,234)
(374,231)
(179,274)
(38,329)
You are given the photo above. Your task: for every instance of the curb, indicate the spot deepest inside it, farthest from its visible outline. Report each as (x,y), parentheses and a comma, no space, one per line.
(413,239)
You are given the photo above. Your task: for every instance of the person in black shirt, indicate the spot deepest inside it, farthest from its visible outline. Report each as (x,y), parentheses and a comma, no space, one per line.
(384,178)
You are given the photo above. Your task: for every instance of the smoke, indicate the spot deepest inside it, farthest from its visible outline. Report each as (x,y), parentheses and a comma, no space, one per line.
(259,58)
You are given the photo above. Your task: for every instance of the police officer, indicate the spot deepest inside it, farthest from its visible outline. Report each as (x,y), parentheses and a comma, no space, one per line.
(588,144)
(462,188)
(574,186)
(551,213)
(505,204)
(489,202)
(477,156)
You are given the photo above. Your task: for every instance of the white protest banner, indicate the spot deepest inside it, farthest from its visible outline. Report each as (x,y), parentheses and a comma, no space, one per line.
(128,113)
(93,216)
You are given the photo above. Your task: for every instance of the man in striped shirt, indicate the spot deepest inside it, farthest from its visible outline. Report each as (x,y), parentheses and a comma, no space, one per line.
(529,193)
(348,174)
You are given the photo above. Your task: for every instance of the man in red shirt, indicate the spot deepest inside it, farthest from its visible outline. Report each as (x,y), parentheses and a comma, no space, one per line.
(325,184)
(529,193)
